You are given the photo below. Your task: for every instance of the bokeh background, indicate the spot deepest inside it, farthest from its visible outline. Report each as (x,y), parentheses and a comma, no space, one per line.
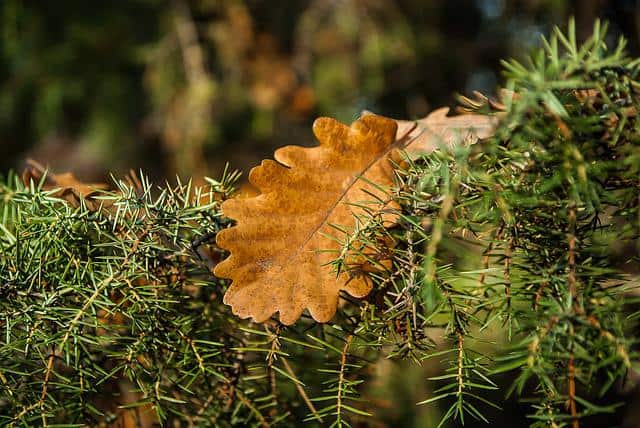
(182,87)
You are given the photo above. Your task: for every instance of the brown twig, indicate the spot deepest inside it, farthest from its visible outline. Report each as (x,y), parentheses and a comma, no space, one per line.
(301,390)
(572,393)
(538,296)
(571,276)
(460,363)
(343,364)
(252,408)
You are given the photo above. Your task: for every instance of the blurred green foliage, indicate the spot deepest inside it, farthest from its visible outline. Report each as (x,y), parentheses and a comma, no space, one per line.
(185,85)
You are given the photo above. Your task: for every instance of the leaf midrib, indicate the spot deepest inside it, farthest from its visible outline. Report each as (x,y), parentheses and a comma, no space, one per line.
(403,141)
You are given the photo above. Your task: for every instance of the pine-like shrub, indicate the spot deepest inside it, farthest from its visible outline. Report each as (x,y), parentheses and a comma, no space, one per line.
(518,254)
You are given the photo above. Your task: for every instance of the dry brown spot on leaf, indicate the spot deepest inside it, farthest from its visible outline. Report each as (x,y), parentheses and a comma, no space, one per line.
(284,239)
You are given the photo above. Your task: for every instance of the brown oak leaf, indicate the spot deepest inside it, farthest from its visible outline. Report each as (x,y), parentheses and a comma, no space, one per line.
(68,186)
(285,238)
(438,129)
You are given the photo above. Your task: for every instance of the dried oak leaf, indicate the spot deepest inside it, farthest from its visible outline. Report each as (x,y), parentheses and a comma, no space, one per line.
(438,129)
(286,237)
(68,186)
